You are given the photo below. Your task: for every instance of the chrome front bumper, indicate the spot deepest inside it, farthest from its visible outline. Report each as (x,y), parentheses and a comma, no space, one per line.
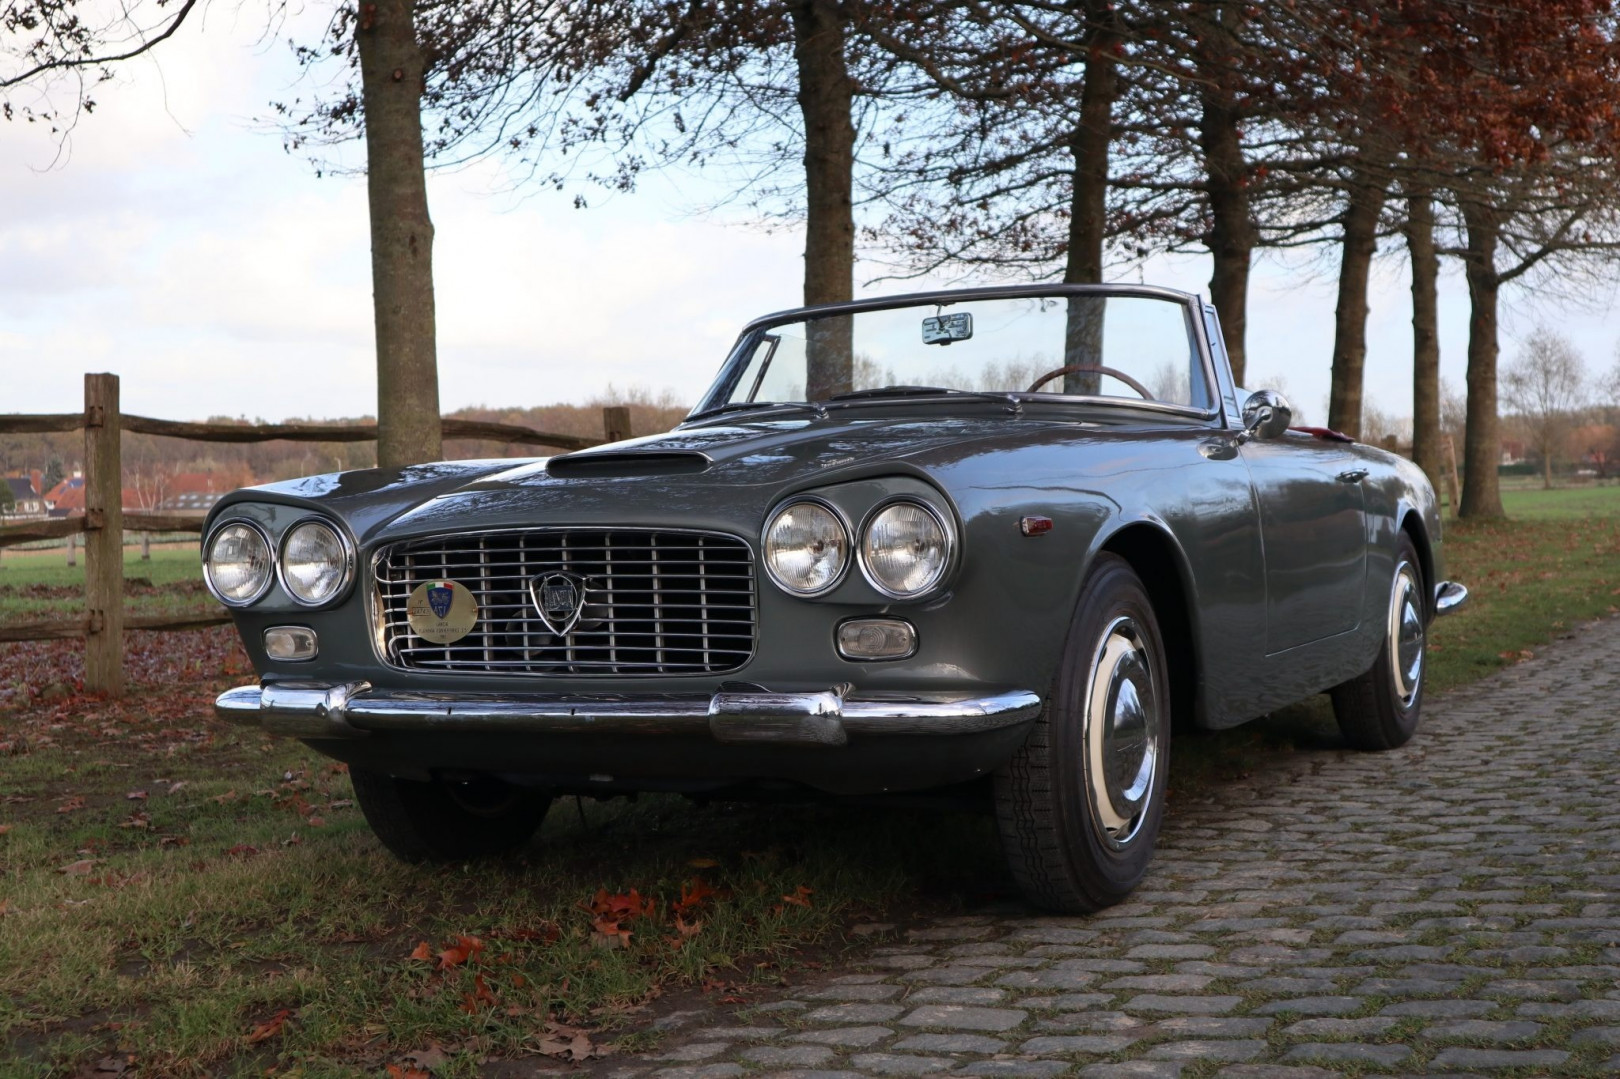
(1448,596)
(827,718)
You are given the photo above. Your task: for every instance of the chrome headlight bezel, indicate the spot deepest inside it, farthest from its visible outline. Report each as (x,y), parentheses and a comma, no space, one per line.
(269,554)
(847,535)
(344,544)
(947,530)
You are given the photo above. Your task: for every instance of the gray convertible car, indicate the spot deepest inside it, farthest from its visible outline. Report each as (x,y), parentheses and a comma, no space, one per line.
(1000,539)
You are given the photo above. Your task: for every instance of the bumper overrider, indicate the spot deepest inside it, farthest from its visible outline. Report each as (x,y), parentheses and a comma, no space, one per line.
(353,710)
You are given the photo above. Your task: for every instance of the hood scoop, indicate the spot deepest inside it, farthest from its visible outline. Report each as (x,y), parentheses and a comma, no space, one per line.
(612,464)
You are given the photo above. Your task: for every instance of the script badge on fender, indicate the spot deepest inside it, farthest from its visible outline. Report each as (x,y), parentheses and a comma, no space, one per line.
(442,612)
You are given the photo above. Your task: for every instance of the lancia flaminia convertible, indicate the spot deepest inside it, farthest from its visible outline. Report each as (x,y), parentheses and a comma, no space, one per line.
(997,537)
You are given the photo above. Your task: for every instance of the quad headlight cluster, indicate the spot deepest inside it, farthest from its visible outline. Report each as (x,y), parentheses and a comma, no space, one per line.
(314,563)
(904,549)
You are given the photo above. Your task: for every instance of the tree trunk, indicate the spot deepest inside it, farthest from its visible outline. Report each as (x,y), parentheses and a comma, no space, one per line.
(1231,234)
(1350,317)
(1425,334)
(391,72)
(1481,495)
(826,96)
(1088,211)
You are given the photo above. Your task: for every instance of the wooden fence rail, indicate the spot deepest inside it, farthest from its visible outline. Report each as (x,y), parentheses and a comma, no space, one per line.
(104,521)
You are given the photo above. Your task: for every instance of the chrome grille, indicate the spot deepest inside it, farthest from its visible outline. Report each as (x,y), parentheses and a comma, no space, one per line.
(655,602)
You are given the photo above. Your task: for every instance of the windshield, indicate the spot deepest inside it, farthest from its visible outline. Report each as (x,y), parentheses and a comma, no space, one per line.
(1111,346)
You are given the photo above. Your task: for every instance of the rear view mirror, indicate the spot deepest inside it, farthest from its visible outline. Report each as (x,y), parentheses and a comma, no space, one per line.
(943,329)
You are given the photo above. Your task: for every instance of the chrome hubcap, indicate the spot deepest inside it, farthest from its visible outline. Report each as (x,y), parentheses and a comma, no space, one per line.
(1122,733)
(1406,633)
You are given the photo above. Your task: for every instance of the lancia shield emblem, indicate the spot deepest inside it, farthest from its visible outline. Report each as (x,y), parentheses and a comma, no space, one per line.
(558,600)
(439,598)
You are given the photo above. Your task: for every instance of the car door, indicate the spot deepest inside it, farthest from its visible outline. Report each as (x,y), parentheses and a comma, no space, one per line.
(1313,527)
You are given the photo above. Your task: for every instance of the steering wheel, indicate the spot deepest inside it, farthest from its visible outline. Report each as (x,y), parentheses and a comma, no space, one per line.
(1099,369)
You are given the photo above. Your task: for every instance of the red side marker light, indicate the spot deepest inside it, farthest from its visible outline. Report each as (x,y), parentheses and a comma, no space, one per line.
(1035,526)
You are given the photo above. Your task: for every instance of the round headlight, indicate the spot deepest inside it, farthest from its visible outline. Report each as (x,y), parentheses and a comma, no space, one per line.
(238,564)
(314,562)
(806,548)
(905,550)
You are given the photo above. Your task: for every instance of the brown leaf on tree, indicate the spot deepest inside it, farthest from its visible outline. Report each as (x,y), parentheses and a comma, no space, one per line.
(269,1028)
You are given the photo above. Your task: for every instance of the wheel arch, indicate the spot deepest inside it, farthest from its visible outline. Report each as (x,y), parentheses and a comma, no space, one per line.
(1158,560)
(1412,525)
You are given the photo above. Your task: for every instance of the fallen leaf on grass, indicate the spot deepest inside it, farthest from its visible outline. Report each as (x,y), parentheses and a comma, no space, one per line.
(692,895)
(269,1028)
(473,1003)
(397,1072)
(135,796)
(702,863)
(79,868)
(316,822)
(423,950)
(4,828)
(242,850)
(114,1065)
(686,931)
(800,897)
(464,949)
(76,802)
(569,1043)
(427,1059)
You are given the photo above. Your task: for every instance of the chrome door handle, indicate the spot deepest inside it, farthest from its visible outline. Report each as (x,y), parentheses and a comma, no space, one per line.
(1353,475)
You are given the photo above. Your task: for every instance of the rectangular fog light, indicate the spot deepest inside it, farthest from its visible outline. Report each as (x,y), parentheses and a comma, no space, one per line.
(289,642)
(876,638)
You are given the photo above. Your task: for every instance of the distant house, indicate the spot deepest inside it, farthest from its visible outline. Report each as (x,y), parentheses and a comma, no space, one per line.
(1512,452)
(25,500)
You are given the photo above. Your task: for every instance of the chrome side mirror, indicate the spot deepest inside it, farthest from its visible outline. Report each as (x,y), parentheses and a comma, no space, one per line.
(1266,415)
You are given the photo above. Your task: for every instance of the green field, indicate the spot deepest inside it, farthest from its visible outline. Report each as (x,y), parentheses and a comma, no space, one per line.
(1535,504)
(39,585)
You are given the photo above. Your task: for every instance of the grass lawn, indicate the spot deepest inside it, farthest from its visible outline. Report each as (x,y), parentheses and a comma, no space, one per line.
(193,899)
(1561,503)
(38,585)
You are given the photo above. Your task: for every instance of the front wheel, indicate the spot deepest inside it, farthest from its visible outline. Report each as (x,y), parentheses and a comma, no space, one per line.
(1380,708)
(444,821)
(1080,803)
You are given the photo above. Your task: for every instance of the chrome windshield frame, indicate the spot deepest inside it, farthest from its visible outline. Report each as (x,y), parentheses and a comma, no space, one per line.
(1192,312)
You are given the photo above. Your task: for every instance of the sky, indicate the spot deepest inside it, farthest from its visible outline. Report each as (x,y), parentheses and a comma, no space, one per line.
(177,244)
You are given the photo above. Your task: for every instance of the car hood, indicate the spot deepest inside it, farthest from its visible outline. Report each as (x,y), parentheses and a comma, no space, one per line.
(711,476)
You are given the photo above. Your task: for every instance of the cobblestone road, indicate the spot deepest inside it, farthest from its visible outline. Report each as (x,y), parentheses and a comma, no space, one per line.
(1449,908)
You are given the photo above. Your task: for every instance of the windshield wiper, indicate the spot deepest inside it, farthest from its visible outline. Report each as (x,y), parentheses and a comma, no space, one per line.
(1014,405)
(738,406)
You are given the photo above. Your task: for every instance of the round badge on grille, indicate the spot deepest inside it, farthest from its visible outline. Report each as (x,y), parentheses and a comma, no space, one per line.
(442,612)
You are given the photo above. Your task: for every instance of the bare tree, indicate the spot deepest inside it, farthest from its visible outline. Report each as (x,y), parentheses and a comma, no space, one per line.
(1546,385)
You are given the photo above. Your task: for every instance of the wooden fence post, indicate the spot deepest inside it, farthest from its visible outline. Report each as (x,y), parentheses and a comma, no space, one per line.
(103,537)
(73,549)
(616,422)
